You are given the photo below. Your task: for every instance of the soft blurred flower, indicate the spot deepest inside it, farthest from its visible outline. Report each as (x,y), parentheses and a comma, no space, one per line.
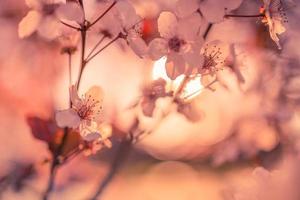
(85,113)
(91,147)
(179,42)
(42,18)
(151,93)
(212,10)
(274,18)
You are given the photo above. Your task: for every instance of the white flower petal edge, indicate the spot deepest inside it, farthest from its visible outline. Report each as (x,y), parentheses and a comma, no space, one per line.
(67,118)
(29,23)
(167,24)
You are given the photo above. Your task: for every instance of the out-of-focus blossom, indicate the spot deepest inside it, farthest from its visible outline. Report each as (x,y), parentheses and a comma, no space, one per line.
(72,12)
(69,39)
(151,93)
(188,110)
(122,21)
(274,18)
(42,18)
(85,113)
(179,42)
(91,147)
(212,10)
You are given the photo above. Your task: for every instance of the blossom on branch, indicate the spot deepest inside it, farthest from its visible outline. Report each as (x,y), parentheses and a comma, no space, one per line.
(85,114)
(179,41)
(275,18)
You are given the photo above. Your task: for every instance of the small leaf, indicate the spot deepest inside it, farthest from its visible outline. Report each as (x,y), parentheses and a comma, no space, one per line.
(42,129)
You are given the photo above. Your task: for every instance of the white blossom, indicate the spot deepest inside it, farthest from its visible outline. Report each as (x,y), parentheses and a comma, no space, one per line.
(85,113)
(179,41)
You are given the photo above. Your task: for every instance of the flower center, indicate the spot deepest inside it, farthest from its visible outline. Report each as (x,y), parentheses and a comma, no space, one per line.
(90,108)
(212,57)
(175,44)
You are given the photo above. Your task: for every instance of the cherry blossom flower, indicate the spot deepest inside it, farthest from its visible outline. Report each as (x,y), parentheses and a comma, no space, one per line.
(274,18)
(215,54)
(151,93)
(212,10)
(179,41)
(42,18)
(131,27)
(85,114)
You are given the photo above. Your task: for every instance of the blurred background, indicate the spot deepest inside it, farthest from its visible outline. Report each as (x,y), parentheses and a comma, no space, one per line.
(244,147)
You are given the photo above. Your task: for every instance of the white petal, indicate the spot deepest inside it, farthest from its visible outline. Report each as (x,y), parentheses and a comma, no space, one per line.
(96,93)
(157,48)
(127,14)
(167,24)
(138,45)
(91,136)
(212,11)
(50,28)
(67,118)
(194,60)
(29,24)
(105,130)
(175,66)
(189,27)
(184,8)
(70,11)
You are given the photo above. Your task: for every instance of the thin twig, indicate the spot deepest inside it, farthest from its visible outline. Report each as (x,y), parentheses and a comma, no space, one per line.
(54,166)
(70,26)
(82,59)
(100,50)
(245,16)
(207,30)
(96,46)
(103,14)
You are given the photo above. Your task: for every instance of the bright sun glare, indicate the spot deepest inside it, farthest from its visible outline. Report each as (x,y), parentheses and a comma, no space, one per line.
(193,88)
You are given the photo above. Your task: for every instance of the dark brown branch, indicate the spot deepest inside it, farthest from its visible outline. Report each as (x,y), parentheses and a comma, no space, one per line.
(244,16)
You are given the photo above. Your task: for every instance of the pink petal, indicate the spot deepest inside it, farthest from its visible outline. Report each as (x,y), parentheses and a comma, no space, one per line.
(189,27)
(157,48)
(184,8)
(175,66)
(70,11)
(138,45)
(67,118)
(50,28)
(29,24)
(167,24)
(96,93)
